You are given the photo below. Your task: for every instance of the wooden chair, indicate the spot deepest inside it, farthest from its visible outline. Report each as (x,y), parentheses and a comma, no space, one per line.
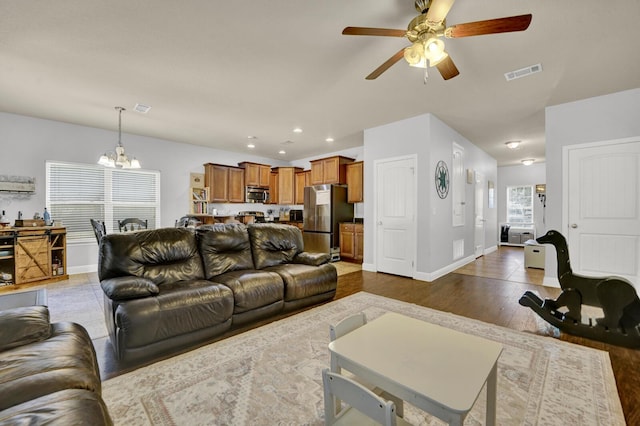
(361,407)
(347,325)
(98,229)
(132,224)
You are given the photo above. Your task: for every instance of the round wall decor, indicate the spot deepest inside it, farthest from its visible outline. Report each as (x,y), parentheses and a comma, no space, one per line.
(442,179)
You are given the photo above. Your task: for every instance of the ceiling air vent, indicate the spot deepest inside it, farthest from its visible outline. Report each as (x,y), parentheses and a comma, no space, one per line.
(523,72)
(141,108)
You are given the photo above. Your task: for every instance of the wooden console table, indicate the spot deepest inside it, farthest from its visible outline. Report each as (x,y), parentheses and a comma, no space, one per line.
(33,254)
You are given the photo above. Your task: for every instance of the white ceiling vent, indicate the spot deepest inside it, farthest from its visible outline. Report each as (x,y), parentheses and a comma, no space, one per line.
(141,108)
(523,72)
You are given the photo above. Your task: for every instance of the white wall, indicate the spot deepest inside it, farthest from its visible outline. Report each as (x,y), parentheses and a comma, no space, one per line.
(28,142)
(517,176)
(430,140)
(603,118)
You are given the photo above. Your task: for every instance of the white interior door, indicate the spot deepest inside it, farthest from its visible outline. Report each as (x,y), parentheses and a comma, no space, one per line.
(479,215)
(604,210)
(395,216)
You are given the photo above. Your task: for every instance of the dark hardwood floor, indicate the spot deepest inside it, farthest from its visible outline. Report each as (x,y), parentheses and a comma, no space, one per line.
(487,299)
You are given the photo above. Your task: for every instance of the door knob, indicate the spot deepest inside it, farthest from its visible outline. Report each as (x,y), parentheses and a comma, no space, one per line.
(380,222)
(574,225)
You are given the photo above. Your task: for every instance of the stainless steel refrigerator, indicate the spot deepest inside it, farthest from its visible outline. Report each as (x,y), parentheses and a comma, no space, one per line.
(325,206)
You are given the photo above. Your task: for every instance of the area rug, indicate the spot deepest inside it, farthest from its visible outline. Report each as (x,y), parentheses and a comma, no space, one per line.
(272,376)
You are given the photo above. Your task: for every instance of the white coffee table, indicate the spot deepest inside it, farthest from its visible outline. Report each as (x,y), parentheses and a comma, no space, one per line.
(439,370)
(23,298)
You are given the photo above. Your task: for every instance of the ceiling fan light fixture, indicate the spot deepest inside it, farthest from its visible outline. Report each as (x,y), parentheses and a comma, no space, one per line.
(414,55)
(435,61)
(433,48)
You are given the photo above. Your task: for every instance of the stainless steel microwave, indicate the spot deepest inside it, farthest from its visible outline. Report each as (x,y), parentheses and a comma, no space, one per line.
(256,194)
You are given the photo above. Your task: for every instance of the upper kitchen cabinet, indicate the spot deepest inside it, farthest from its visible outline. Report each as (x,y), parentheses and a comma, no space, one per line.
(355,182)
(273,188)
(329,170)
(256,174)
(225,183)
(286,184)
(302,179)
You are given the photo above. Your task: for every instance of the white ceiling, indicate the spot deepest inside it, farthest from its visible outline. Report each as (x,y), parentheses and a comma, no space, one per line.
(217,71)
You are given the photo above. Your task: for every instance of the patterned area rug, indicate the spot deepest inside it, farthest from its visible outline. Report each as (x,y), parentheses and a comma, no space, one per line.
(272,376)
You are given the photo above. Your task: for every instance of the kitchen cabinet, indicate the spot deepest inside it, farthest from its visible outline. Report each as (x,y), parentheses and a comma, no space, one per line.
(32,254)
(355,182)
(302,179)
(256,174)
(329,170)
(352,241)
(273,188)
(225,183)
(286,184)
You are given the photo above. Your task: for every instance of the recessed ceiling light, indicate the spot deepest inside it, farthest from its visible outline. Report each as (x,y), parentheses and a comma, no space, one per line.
(297,130)
(141,108)
(282,152)
(528,161)
(252,137)
(329,139)
(251,146)
(512,144)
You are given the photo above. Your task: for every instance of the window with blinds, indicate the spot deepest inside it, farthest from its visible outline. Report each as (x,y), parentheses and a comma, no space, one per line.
(79,192)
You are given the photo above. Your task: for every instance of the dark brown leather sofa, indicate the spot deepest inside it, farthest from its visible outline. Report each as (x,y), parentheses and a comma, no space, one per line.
(48,372)
(171,288)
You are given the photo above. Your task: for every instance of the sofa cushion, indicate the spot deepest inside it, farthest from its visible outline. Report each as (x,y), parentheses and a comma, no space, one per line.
(274,244)
(165,255)
(123,288)
(66,407)
(179,308)
(66,360)
(301,281)
(253,289)
(20,326)
(224,248)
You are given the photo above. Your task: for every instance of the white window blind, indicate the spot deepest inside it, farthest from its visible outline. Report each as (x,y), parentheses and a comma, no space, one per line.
(79,192)
(520,205)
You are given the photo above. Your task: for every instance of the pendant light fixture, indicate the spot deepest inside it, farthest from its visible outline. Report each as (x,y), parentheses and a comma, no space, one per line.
(118,158)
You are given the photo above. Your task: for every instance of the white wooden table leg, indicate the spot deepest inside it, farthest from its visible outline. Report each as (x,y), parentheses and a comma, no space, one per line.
(492,388)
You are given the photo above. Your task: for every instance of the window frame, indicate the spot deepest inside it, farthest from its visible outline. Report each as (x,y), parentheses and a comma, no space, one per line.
(524,207)
(108,196)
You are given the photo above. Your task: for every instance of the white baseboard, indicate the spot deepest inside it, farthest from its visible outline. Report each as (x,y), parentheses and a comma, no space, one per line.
(369,267)
(432,276)
(490,250)
(84,269)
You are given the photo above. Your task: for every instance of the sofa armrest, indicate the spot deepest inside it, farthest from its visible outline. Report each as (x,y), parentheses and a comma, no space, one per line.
(21,326)
(124,288)
(312,259)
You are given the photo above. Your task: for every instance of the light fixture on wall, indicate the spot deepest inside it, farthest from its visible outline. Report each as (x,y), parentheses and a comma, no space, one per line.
(118,158)
(528,161)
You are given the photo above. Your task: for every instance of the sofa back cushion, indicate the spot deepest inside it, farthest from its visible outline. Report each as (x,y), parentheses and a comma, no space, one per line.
(224,248)
(162,255)
(274,244)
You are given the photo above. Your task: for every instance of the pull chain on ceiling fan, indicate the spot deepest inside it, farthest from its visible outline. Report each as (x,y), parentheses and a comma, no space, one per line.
(425,33)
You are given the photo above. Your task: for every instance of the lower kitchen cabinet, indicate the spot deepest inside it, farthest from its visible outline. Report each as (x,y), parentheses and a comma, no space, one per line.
(352,241)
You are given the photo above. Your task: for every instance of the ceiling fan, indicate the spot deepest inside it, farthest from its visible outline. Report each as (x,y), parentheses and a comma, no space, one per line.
(425,33)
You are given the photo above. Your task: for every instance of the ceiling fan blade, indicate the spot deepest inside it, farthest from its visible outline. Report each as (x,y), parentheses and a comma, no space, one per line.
(438,11)
(490,26)
(382,68)
(447,68)
(385,32)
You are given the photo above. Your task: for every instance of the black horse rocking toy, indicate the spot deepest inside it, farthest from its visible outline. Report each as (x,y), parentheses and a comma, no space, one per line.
(614,295)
